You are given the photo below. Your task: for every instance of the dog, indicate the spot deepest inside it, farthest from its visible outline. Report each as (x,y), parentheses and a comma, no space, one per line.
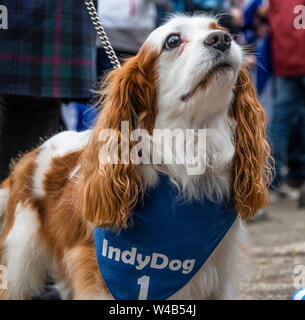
(189,74)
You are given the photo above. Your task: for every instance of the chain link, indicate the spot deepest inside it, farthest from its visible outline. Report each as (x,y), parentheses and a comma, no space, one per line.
(102,34)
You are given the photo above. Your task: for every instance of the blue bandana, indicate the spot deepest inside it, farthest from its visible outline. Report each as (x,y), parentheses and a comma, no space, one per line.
(167,244)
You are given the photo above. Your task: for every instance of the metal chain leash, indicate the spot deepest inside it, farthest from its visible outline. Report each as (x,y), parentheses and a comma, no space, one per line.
(102,34)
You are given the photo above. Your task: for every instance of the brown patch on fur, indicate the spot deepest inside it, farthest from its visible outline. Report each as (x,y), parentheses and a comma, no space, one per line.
(215,26)
(252,170)
(55,181)
(108,193)
(60,225)
(20,185)
(60,205)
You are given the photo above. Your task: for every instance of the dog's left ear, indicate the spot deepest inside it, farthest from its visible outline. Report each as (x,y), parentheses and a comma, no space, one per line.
(251,171)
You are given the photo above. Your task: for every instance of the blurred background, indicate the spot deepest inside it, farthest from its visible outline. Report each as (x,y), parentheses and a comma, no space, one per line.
(51,62)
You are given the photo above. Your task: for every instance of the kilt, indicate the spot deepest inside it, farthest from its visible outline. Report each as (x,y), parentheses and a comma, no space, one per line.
(48,50)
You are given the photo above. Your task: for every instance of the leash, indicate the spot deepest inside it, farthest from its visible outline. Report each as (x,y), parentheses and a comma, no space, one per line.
(102,34)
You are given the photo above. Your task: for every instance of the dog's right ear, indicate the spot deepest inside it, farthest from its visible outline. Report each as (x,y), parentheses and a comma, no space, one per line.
(107,192)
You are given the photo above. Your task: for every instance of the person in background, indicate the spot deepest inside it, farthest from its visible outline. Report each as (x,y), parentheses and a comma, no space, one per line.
(288,123)
(47,55)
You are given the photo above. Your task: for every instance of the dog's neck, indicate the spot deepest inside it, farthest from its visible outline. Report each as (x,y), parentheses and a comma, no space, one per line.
(215,154)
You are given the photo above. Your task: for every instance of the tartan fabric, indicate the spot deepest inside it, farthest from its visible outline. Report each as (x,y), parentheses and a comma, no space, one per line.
(48,49)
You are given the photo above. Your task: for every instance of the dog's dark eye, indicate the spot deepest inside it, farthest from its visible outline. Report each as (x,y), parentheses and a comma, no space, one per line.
(173,41)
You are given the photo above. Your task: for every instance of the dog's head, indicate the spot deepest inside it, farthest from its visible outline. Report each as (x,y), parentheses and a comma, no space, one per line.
(198,64)
(188,71)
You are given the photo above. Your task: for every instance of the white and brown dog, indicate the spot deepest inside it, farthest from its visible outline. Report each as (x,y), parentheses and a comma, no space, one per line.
(187,75)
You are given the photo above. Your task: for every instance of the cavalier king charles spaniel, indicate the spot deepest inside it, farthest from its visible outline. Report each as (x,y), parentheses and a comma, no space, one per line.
(188,75)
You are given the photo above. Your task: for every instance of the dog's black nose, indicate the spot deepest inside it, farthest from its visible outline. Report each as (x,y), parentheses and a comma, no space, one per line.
(219,40)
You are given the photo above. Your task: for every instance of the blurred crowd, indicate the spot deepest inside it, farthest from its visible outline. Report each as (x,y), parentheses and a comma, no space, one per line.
(50,58)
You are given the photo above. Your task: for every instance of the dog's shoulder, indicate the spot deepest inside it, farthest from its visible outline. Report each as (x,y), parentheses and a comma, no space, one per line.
(57,157)
(64,143)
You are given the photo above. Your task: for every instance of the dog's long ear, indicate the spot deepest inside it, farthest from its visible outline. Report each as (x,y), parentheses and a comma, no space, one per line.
(108,192)
(252,170)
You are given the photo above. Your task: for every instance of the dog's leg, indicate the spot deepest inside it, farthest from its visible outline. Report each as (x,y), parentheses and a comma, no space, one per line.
(84,274)
(25,255)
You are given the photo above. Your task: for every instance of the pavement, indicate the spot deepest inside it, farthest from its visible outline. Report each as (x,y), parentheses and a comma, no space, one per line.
(277,245)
